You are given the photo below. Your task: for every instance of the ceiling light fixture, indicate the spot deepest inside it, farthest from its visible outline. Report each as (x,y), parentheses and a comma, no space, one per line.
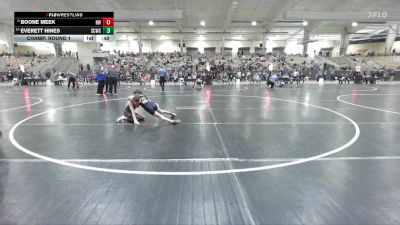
(151,23)
(234,4)
(202,23)
(354,24)
(305,23)
(163,37)
(254,23)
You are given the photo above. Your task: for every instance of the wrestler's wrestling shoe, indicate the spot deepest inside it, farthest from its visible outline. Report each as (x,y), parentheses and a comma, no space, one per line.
(176,121)
(173,116)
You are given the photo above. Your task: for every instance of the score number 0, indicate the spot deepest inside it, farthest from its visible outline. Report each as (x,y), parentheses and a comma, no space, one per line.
(108,21)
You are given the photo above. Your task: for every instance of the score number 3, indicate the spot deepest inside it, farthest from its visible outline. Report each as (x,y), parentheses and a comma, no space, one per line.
(108,30)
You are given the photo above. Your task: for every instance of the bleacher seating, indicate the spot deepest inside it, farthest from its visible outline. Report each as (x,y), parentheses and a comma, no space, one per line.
(3,66)
(131,66)
(390,62)
(29,63)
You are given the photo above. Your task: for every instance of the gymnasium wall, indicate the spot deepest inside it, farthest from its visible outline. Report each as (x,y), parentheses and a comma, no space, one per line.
(40,48)
(378,48)
(291,46)
(396,46)
(3,48)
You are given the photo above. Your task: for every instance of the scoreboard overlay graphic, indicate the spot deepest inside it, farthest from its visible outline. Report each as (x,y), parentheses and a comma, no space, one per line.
(63,26)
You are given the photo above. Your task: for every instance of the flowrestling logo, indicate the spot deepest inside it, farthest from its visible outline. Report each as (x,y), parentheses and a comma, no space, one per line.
(377,14)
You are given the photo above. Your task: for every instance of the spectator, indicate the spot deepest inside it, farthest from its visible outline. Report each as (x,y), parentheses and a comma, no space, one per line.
(100,76)
(71,79)
(9,76)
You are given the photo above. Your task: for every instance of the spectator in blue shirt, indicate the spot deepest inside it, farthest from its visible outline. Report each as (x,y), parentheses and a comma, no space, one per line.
(101,79)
